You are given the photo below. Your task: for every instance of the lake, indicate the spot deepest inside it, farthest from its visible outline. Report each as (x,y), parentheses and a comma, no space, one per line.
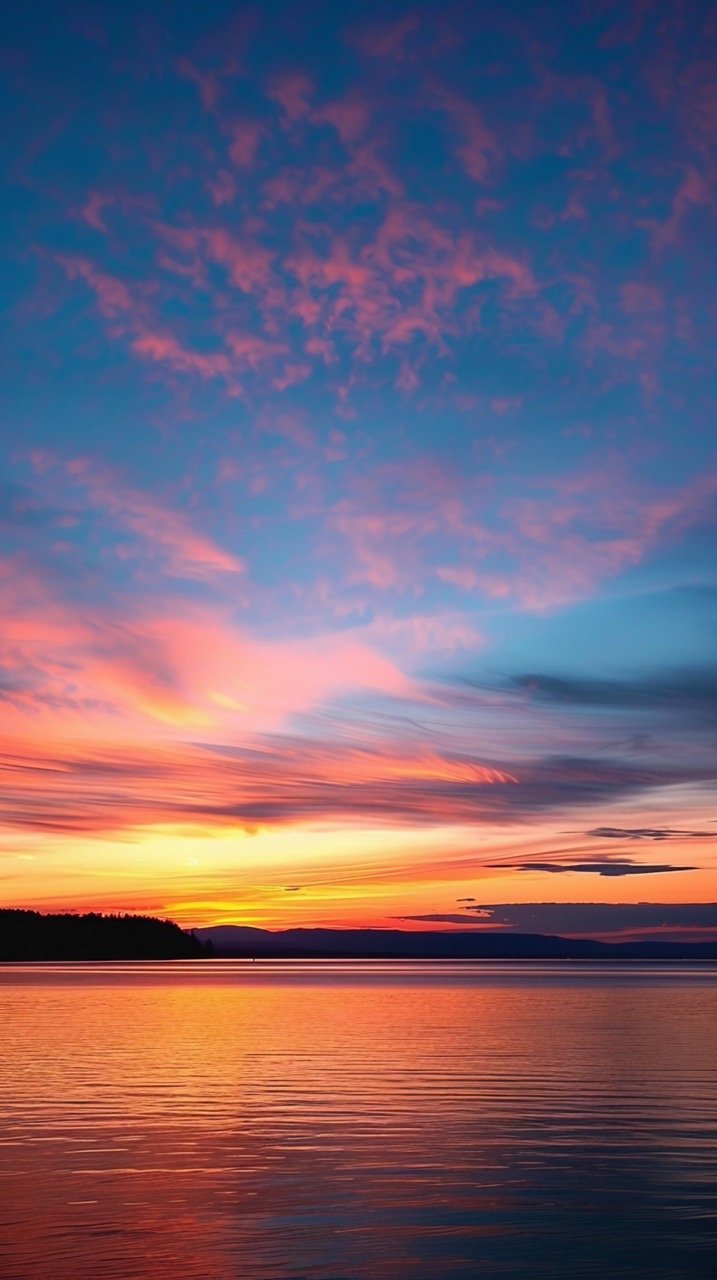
(233,1121)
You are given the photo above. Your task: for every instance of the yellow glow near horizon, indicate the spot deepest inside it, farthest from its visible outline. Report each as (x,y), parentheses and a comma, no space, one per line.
(318,874)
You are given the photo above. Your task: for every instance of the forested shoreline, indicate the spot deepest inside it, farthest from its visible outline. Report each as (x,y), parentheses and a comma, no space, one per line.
(31,935)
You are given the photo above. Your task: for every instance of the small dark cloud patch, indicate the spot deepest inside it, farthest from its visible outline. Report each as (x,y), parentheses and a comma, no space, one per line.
(446,917)
(295,888)
(602,867)
(465,899)
(649,833)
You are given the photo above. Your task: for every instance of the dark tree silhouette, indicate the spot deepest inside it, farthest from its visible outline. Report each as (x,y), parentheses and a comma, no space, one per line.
(29,935)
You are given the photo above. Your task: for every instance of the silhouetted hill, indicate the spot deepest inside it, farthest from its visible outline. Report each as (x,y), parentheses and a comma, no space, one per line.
(28,935)
(383,944)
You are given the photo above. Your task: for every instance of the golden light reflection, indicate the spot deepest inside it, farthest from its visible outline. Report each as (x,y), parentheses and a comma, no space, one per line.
(178,1118)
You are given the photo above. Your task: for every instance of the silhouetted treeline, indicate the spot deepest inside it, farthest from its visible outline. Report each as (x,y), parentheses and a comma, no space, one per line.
(28,935)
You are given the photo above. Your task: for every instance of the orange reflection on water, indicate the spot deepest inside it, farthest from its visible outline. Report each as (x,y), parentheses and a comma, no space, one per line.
(269,1120)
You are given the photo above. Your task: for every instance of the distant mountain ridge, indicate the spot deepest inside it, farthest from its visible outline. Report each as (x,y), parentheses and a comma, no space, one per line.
(383,944)
(30,935)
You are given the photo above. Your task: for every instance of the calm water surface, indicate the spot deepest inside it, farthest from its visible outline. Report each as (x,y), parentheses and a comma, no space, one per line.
(260,1122)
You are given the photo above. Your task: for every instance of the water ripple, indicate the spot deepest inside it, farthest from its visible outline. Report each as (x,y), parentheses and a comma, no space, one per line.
(181,1122)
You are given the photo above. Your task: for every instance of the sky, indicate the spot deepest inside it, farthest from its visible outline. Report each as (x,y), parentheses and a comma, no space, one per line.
(358,495)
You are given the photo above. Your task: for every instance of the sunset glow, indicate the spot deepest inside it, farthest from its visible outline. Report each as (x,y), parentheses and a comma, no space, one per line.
(359,482)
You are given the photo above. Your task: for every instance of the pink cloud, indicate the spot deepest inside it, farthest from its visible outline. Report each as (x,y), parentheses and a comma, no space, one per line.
(389,520)
(74,671)
(223,188)
(592,527)
(370,171)
(248,263)
(188,552)
(104,788)
(91,213)
(395,288)
(470,266)
(506,404)
(539,551)
(291,427)
(699,103)
(386,39)
(246,136)
(405,327)
(639,298)
(291,375)
(463,577)
(113,297)
(254,351)
(265,682)
(292,92)
(316,346)
(207,83)
(476,146)
(164,348)
(99,744)
(162,530)
(94,676)
(420,634)
(348,116)
(692,191)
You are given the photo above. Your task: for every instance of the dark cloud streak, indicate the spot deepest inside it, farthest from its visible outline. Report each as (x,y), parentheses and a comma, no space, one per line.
(587,918)
(650,833)
(608,867)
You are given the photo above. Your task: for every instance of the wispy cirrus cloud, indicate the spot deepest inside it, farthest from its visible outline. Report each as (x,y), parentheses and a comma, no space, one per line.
(404,526)
(221,689)
(162,663)
(112,294)
(689,693)
(267,782)
(85,486)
